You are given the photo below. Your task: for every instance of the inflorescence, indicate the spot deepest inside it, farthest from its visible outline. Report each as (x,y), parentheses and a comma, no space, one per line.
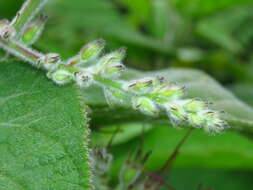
(148,95)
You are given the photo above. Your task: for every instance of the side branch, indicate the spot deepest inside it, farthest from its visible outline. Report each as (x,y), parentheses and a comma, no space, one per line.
(21,51)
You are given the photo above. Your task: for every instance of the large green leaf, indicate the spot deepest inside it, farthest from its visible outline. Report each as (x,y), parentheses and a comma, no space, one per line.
(43,133)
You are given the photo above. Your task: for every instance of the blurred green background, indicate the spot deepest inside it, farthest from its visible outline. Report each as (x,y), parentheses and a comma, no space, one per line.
(215,36)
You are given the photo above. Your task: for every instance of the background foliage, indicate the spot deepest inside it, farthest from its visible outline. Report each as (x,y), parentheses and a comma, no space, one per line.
(187,40)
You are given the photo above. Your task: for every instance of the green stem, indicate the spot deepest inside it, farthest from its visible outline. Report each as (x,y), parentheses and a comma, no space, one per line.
(109,82)
(20,51)
(28,11)
(167,166)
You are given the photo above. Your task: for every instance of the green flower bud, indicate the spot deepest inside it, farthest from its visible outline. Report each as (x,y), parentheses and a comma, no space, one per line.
(194,105)
(115,57)
(176,113)
(196,119)
(32,32)
(141,86)
(166,92)
(145,105)
(213,123)
(6,30)
(91,50)
(61,77)
(49,61)
(113,70)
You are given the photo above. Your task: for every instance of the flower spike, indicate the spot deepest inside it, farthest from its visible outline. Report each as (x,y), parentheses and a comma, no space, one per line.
(147,95)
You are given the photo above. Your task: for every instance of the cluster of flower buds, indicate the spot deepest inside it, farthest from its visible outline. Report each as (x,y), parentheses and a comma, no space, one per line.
(197,114)
(29,33)
(83,67)
(148,95)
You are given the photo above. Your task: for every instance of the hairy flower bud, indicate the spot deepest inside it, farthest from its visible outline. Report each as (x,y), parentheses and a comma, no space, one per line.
(145,105)
(6,30)
(115,57)
(214,124)
(49,61)
(91,50)
(61,77)
(176,113)
(140,86)
(196,119)
(113,70)
(32,32)
(167,92)
(194,105)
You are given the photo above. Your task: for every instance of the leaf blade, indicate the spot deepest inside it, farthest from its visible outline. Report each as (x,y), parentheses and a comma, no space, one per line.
(42,132)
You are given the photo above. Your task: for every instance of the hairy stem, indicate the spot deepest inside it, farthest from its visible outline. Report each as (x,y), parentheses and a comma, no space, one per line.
(108,82)
(20,51)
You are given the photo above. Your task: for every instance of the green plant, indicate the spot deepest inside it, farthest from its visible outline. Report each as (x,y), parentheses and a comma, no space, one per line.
(149,95)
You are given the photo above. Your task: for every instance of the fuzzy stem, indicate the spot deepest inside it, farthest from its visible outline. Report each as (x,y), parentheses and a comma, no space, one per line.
(28,11)
(20,51)
(108,82)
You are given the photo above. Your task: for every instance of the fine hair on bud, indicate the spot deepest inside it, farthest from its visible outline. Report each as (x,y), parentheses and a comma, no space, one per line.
(32,32)
(61,77)
(145,105)
(91,50)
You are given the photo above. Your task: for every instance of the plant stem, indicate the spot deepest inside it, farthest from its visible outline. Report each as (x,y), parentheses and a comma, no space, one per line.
(20,51)
(108,82)
(28,11)
(174,154)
